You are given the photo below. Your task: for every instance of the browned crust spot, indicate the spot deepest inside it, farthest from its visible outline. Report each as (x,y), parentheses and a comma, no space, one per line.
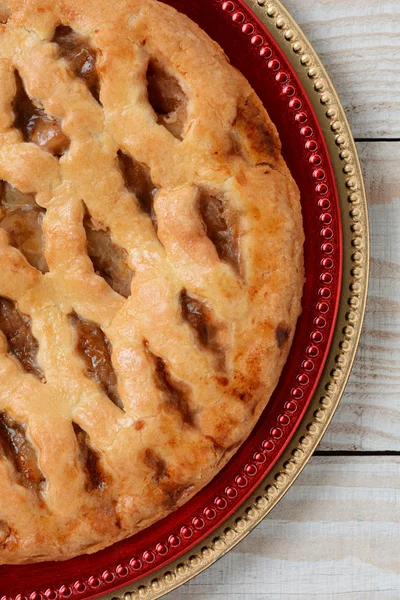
(109,260)
(18,450)
(167,98)
(80,57)
(5,12)
(174,493)
(139,425)
(258,139)
(21,342)
(35,125)
(175,393)
(156,464)
(89,458)
(118,523)
(95,351)
(282,335)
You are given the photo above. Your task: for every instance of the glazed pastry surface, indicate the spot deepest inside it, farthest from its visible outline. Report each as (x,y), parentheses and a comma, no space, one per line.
(151,269)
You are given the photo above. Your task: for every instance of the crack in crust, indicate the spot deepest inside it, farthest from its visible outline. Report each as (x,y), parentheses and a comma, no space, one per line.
(197,314)
(95,350)
(89,458)
(109,260)
(22,344)
(80,57)
(6,535)
(22,219)
(18,450)
(167,98)
(256,138)
(138,182)
(35,125)
(175,392)
(221,226)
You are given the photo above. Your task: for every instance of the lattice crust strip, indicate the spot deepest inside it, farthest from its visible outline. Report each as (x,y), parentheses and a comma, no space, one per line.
(151,269)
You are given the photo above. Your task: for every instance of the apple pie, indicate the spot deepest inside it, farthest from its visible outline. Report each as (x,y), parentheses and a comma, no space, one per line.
(151,269)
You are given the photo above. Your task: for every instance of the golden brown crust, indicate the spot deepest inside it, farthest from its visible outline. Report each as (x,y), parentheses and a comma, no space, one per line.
(120,430)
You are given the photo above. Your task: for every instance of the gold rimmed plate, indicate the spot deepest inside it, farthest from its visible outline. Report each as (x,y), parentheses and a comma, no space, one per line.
(263,41)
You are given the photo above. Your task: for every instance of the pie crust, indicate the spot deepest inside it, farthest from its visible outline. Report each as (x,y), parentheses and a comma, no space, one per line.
(151,269)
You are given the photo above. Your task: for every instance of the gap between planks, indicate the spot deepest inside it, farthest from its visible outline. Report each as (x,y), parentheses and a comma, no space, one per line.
(356,453)
(377,140)
(334,536)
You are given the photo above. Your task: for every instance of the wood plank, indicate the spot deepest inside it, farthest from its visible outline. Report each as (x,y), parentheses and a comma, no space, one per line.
(359,44)
(368,417)
(335,536)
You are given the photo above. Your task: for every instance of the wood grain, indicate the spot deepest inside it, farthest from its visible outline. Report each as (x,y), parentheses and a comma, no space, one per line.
(335,536)
(359,44)
(368,417)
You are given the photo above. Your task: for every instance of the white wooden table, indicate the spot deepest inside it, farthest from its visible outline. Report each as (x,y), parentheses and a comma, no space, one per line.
(342,519)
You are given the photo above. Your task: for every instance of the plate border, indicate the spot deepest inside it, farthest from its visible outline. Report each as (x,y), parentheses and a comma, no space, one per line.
(355,275)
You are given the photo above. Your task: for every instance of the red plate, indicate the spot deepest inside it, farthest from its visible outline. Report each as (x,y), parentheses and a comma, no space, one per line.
(251,49)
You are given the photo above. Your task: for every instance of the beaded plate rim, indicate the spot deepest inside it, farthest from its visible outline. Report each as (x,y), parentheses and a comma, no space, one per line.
(352,198)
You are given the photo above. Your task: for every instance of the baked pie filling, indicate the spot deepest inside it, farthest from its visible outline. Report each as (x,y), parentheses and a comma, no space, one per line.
(151,269)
